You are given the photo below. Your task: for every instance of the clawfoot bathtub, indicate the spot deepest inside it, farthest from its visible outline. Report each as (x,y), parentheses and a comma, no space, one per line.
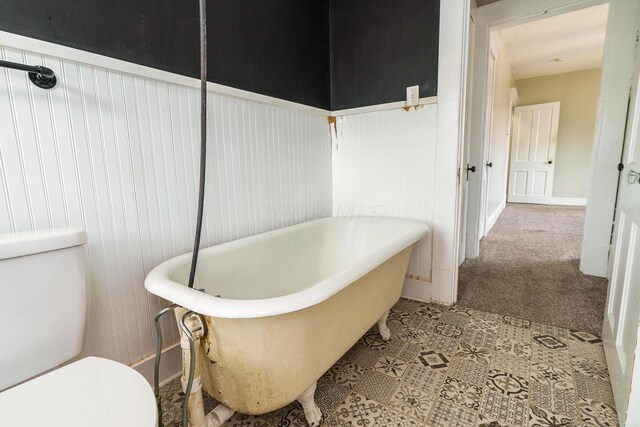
(282,307)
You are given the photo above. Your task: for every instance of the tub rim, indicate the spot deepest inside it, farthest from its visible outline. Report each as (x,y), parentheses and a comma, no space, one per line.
(158,283)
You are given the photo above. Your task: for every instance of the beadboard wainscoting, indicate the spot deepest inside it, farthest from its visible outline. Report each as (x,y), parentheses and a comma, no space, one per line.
(117,154)
(383,164)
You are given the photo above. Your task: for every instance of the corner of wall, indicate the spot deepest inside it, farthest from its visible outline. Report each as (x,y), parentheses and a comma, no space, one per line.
(330,6)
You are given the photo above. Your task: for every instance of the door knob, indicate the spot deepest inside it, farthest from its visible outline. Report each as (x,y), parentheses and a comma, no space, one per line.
(632,176)
(470,168)
(490,164)
(550,162)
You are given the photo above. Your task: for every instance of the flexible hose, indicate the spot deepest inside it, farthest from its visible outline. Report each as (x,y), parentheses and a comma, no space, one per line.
(203,137)
(156,366)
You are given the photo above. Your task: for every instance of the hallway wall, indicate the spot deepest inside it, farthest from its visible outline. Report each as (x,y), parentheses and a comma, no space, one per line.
(578,95)
(500,138)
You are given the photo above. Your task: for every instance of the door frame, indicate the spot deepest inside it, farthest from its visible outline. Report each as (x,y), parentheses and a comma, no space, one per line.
(617,79)
(453,45)
(464,186)
(450,135)
(494,17)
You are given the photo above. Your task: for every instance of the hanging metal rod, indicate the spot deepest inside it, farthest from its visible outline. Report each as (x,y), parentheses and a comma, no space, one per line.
(40,76)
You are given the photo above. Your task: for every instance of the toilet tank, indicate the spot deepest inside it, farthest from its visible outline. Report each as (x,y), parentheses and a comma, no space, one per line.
(42,301)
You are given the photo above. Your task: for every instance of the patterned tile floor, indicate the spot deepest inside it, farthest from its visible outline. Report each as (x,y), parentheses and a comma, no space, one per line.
(453,367)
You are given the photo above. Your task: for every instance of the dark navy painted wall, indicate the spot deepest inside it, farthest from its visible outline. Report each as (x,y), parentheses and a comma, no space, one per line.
(379,47)
(273,47)
(331,54)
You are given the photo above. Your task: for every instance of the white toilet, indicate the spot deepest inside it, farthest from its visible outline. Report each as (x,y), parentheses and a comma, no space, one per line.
(42,321)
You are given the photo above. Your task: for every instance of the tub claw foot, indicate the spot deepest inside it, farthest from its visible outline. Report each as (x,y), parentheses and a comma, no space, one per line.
(385,333)
(311,410)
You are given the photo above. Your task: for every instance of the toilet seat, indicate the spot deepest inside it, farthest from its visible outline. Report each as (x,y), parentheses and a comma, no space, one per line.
(90,392)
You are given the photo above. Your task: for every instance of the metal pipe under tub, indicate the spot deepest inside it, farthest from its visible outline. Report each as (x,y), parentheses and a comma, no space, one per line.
(192,329)
(156,365)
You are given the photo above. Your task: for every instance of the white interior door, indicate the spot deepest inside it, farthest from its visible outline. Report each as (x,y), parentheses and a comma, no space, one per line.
(488,128)
(620,331)
(533,151)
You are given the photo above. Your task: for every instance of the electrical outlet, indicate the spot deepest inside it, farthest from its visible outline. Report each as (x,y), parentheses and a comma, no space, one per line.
(413,96)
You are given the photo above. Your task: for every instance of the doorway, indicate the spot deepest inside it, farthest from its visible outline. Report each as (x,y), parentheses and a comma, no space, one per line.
(611,201)
(527,199)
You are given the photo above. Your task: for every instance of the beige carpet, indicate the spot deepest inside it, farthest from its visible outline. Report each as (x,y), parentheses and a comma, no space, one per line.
(528,267)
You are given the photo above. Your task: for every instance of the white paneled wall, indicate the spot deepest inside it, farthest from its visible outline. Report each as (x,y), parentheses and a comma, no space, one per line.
(383,164)
(117,154)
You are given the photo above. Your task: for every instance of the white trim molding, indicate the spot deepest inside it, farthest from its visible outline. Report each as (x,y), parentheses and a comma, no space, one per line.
(493,218)
(500,15)
(568,201)
(416,289)
(382,107)
(496,43)
(556,201)
(452,72)
(514,97)
(618,68)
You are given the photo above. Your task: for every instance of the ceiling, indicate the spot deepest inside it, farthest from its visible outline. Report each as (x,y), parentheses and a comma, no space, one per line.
(569,42)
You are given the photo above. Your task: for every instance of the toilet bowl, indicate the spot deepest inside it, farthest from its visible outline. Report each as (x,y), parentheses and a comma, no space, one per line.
(42,323)
(90,392)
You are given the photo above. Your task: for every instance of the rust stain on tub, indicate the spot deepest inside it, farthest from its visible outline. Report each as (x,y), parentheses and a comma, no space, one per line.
(266,363)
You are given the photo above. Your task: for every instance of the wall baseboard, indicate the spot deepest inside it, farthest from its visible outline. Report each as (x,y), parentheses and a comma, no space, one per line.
(493,218)
(170,364)
(568,201)
(417,290)
(559,201)
(594,260)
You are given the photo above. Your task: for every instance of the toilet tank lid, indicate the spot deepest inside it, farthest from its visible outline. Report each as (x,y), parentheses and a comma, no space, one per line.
(24,243)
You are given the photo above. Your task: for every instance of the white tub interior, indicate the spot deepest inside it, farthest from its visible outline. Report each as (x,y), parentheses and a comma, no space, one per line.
(284,270)
(286,263)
